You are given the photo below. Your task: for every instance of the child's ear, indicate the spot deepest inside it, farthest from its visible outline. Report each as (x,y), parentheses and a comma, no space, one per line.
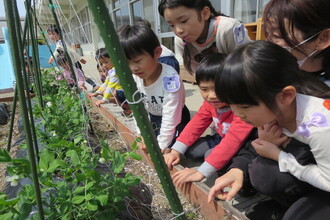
(323,40)
(287,95)
(206,13)
(158,51)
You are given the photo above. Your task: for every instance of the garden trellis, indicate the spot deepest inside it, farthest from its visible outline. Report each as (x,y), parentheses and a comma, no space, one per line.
(110,38)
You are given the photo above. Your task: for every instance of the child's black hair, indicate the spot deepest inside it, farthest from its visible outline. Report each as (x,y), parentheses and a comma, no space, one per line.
(101,53)
(53,28)
(258,71)
(28,61)
(143,22)
(60,60)
(138,39)
(209,67)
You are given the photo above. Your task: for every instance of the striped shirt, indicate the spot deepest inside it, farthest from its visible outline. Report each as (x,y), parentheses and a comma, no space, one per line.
(110,84)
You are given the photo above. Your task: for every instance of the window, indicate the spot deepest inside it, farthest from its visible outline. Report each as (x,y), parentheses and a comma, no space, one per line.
(137,11)
(122,17)
(126,11)
(248,10)
(78,31)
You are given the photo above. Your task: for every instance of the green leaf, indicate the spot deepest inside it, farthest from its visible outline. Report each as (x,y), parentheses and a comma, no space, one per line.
(80,177)
(79,189)
(92,205)
(9,202)
(135,156)
(4,156)
(89,196)
(89,185)
(118,162)
(7,216)
(45,158)
(103,199)
(56,164)
(74,157)
(65,207)
(78,199)
(26,208)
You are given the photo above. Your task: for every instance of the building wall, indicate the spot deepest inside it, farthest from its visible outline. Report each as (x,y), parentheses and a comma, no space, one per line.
(127,11)
(3,23)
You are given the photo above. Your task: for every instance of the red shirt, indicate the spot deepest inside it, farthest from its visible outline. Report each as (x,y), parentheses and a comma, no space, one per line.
(233,131)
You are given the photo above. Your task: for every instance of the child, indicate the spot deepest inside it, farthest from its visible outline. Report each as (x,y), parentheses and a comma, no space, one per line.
(102,72)
(111,88)
(167,56)
(67,75)
(159,84)
(219,148)
(303,27)
(59,51)
(200,30)
(263,84)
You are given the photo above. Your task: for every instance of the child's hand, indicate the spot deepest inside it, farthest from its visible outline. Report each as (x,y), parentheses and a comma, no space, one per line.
(233,179)
(185,176)
(266,149)
(142,146)
(166,150)
(172,158)
(94,94)
(272,133)
(82,87)
(50,60)
(99,102)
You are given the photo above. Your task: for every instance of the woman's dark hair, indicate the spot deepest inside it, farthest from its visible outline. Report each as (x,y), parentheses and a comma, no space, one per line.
(101,53)
(209,67)
(198,5)
(308,16)
(258,71)
(137,39)
(53,28)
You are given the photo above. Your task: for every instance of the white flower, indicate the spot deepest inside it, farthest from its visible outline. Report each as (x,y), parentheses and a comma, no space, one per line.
(53,133)
(12,179)
(102,160)
(49,104)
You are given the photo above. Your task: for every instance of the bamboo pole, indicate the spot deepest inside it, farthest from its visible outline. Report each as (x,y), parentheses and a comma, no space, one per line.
(112,44)
(11,128)
(9,8)
(26,80)
(35,53)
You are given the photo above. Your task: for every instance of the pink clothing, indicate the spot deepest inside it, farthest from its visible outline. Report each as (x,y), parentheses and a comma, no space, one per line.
(66,74)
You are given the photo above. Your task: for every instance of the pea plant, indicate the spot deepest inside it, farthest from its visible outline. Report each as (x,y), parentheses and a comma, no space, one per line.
(71,183)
